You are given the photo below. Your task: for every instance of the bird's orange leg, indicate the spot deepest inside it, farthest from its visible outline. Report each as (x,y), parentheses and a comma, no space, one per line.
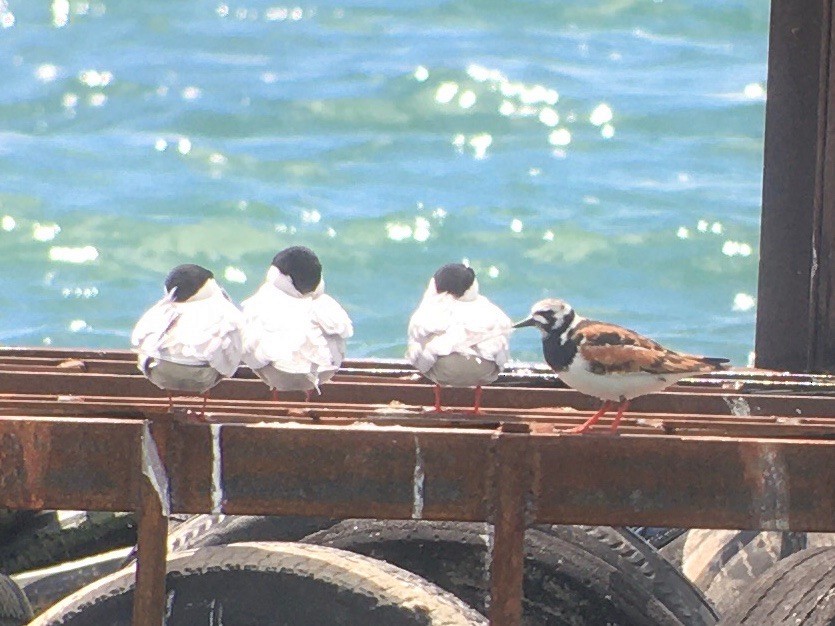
(477,400)
(592,420)
(307,395)
(205,400)
(621,410)
(170,401)
(438,408)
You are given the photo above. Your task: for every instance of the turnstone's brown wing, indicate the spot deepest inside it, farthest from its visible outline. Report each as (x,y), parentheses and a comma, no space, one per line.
(613,349)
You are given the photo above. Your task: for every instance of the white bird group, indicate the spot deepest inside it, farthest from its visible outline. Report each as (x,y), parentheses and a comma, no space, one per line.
(290,333)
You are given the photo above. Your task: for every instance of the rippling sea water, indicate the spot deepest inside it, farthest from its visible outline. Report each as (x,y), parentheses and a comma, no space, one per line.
(609,153)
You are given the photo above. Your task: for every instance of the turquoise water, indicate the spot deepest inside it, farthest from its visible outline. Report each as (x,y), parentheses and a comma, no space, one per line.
(609,153)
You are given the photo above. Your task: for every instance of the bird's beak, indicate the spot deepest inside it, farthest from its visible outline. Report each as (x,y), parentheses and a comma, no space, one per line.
(528,322)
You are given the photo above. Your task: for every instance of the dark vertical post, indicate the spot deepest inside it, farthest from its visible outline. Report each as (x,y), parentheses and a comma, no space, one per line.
(507,566)
(793,329)
(152,540)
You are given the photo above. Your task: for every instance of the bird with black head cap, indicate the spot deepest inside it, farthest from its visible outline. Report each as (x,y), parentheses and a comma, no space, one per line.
(294,333)
(457,337)
(190,339)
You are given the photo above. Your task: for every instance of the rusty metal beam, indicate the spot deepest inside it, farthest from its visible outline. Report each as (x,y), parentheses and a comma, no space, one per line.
(513,493)
(768,484)
(152,536)
(388,391)
(370,471)
(68,463)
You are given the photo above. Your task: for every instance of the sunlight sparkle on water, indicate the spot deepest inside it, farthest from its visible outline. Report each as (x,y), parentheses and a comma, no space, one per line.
(94,78)
(160,145)
(69,100)
(234,274)
(736,248)
(66,254)
(183,145)
(60,13)
(480,143)
(97,99)
(76,326)
(421,73)
(422,229)
(482,74)
(46,72)
(311,216)
(467,99)
(446,92)
(744,302)
(493,271)
(191,93)
(8,223)
(607,131)
(549,116)
(398,232)
(754,91)
(84,293)
(682,232)
(560,137)
(548,236)
(516,225)
(44,232)
(6,16)
(602,114)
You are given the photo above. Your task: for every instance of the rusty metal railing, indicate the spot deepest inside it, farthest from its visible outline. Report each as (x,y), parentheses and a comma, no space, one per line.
(84,430)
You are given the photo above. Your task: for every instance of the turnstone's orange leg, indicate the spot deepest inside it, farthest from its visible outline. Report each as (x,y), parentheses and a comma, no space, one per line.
(307,395)
(477,400)
(275,395)
(170,401)
(592,420)
(621,410)
(205,400)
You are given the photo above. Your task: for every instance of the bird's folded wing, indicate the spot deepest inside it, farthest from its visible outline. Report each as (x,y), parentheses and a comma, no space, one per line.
(612,349)
(149,332)
(442,325)
(206,332)
(281,331)
(329,315)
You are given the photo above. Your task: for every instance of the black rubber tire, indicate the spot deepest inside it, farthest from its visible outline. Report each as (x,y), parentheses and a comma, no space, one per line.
(71,535)
(673,552)
(12,521)
(800,589)
(624,549)
(215,530)
(14,606)
(268,584)
(566,582)
(44,587)
(725,563)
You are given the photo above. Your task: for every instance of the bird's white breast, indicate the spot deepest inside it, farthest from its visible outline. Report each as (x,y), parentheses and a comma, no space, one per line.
(616,385)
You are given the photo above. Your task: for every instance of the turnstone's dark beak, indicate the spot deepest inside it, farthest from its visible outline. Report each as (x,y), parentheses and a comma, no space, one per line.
(528,322)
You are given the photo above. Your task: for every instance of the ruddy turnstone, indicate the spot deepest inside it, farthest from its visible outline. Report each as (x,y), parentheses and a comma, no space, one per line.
(294,333)
(190,339)
(607,361)
(458,338)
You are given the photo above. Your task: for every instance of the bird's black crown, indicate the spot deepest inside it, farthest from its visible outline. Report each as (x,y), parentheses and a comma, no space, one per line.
(187,280)
(454,278)
(302,266)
